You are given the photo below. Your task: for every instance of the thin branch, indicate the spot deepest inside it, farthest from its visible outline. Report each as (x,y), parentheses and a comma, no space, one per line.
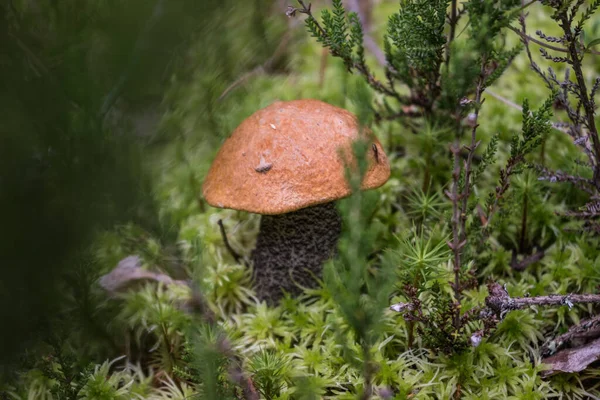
(471,149)
(501,188)
(453,20)
(504,100)
(525,5)
(581,183)
(456,245)
(238,259)
(546,45)
(583,95)
(501,303)
(526,261)
(527,37)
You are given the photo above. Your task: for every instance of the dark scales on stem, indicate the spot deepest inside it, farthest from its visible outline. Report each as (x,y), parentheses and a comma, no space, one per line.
(291,249)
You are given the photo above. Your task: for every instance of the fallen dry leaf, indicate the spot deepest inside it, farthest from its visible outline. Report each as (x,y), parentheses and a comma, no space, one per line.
(574,359)
(130,270)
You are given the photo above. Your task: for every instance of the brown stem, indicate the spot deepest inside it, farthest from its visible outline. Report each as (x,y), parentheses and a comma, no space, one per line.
(549,46)
(588,105)
(456,242)
(460,200)
(453,21)
(503,185)
(410,334)
(472,147)
(523,227)
(584,184)
(524,36)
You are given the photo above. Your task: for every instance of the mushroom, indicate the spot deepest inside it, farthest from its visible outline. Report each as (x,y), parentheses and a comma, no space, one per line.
(286,162)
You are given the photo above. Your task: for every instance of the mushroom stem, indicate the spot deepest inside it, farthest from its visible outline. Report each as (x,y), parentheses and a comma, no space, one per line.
(292,248)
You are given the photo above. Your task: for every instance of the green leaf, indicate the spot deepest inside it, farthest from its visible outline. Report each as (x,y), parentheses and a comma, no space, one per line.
(593,43)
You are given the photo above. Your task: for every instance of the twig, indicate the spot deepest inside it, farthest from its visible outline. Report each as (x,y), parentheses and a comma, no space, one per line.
(583,94)
(529,38)
(502,187)
(546,45)
(460,200)
(235,255)
(523,234)
(525,40)
(471,149)
(525,5)
(504,100)
(581,183)
(452,21)
(527,261)
(501,303)
(456,245)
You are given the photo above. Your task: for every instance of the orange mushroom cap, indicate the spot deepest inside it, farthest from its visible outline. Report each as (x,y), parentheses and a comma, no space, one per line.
(286,156)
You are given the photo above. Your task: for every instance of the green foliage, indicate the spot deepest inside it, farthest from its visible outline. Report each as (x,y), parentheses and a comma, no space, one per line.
(103,385)
(269,371)
(487,19)
(424,206)
(417,33)
(341,340)
(535,125)
(336,36)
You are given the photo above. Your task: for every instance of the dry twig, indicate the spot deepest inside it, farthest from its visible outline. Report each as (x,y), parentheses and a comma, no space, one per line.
(501,303)
(238,259)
